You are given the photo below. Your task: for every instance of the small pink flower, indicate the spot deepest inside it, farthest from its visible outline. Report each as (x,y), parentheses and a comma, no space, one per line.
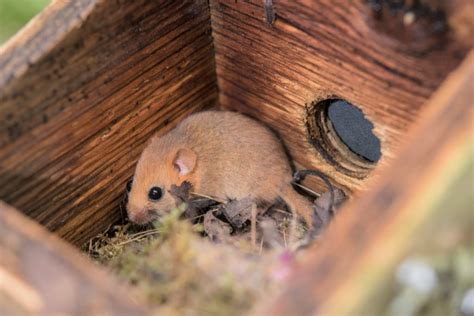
(283,267)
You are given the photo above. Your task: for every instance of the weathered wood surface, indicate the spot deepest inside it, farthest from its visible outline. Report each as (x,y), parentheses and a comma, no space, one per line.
(42,275)
(81,90)
(320,49)
(370,233)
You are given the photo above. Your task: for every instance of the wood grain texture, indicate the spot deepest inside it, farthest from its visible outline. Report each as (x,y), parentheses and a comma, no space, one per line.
(325,49)
(78,104)
(369,234)
(42,275)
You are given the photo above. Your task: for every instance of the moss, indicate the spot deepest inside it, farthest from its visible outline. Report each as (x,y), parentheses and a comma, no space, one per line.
(175,269)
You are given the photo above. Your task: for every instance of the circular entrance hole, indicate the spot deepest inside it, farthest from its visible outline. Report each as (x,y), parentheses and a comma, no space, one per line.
(343,136)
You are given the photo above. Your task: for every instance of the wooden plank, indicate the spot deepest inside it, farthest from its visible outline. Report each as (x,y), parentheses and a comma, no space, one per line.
(324,49)
(81,90)
(370,234)
(42,275)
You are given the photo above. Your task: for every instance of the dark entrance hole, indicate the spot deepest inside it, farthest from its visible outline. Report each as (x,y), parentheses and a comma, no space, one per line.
(354,130)
(343,136)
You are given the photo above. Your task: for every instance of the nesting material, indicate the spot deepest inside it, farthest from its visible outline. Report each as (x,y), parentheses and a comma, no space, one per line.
(200,259)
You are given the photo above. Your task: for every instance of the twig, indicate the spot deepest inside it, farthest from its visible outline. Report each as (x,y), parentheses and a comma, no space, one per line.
(208,197)
(281,211)
(145,232)
(307,189)
(253,226)
(138,238)
(199,216)
(292,235)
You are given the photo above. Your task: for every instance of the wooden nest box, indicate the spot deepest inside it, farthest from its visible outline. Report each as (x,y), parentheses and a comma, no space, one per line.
(86,83)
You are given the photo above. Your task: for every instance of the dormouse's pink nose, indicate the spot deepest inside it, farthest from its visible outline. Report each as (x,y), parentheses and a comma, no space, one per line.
(137,217)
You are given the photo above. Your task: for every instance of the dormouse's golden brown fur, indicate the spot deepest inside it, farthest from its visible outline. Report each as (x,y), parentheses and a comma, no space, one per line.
(222,154)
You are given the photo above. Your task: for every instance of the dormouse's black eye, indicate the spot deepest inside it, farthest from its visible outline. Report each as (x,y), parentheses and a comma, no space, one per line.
(155,193)
(129,185)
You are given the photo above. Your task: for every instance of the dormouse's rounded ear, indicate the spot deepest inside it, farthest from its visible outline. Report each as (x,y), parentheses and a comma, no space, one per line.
(185,161)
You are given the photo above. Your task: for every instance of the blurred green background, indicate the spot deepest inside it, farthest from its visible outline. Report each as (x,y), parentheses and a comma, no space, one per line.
(16,13)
